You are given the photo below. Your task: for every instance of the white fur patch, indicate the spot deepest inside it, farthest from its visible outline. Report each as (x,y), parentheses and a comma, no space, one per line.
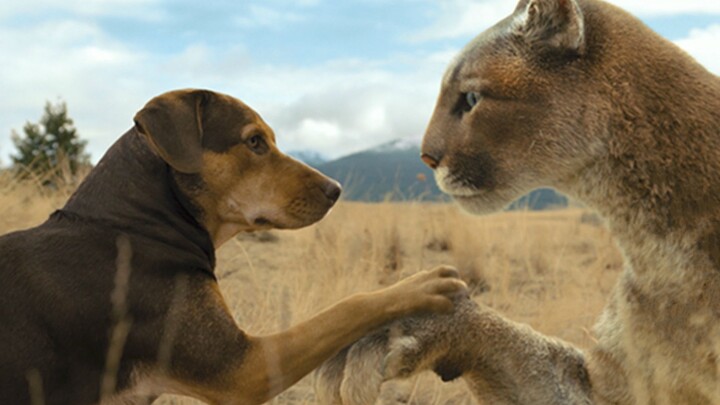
(446,184)
(363,374)
(394,364)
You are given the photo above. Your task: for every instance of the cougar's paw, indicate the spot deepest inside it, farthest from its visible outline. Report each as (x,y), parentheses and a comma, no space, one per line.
(355,375)
(327,379)
(416,345)
(402,357)
(364,370)
(409,354)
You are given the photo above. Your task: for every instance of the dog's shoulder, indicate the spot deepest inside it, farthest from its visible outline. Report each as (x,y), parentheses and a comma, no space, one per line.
(68,262)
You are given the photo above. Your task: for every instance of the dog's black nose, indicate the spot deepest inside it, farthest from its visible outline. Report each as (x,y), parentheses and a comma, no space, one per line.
(332,190)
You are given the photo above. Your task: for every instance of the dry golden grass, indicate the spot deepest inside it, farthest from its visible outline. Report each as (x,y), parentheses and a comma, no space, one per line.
(552,270)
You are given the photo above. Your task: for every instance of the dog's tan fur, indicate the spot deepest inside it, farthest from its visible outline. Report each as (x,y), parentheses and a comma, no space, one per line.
(580,96)
(131,255)
(241,184)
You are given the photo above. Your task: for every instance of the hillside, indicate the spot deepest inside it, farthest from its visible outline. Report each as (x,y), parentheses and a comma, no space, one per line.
(394,172)
(389,172)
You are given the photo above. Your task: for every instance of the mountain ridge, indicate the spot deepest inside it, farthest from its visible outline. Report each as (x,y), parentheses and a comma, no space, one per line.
(393,171)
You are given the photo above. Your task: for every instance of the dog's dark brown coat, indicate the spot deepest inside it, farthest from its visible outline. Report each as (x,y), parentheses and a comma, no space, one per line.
(114,298)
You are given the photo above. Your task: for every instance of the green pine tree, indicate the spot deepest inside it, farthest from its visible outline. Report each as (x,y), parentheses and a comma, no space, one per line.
(50,146)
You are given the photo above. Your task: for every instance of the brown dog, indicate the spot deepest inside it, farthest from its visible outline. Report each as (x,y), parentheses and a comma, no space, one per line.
(580,96)
(113,299)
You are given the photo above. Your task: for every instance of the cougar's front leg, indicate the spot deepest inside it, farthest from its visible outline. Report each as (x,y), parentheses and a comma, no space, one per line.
(502,362)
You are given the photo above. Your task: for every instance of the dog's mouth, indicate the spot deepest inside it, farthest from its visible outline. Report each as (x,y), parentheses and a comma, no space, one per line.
(257,219)
(300,212)
(263,222)
(289,220)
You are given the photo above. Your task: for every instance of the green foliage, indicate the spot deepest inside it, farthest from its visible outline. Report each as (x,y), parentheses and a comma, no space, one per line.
(50,148)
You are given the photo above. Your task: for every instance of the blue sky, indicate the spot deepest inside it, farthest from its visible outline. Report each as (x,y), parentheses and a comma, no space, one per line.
(331,76)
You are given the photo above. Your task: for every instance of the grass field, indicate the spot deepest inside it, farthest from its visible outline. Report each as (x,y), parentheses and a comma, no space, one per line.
(552,270)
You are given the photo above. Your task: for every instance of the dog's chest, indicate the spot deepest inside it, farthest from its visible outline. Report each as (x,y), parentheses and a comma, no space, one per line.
(142,390)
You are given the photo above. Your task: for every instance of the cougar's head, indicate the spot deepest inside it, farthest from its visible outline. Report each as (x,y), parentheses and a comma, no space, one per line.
(516,109)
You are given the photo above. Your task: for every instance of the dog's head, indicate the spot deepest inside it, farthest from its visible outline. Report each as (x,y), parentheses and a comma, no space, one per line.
(225,159)
(517,109)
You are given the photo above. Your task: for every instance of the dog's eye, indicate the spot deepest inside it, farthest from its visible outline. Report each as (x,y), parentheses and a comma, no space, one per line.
(256,143)
(472,98)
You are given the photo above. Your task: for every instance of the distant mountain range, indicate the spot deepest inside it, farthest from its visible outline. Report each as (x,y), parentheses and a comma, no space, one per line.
(310,157)
(390,172)
(393,171)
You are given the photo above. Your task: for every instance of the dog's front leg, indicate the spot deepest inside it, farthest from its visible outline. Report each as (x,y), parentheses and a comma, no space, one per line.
(268,365)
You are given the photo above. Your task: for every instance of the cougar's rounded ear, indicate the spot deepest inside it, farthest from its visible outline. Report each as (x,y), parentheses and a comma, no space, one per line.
(556,24)
(522,4)
(172,124)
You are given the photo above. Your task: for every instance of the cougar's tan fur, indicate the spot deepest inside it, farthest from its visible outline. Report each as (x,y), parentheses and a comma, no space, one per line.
(580,96)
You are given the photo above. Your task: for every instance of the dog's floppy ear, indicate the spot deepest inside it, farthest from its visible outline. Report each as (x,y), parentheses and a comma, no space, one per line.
(555,24)
(172,124)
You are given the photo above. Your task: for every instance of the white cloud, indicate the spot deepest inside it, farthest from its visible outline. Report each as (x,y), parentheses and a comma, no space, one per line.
(467,18)
(703,44)
(645,8)
(317,131)
(458,18)
(262,16)
(200,64)
(291,3)
(334,107)
(346,106)
(69,59)
(140,9)
(307,3)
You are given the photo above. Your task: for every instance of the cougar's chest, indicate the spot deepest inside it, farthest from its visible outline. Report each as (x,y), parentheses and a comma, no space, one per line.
(670,336)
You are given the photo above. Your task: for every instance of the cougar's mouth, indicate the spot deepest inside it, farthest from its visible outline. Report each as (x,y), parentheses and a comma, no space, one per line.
(454,186)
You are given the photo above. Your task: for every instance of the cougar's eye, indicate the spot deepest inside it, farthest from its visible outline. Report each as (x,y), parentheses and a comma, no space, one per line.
(472,98)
